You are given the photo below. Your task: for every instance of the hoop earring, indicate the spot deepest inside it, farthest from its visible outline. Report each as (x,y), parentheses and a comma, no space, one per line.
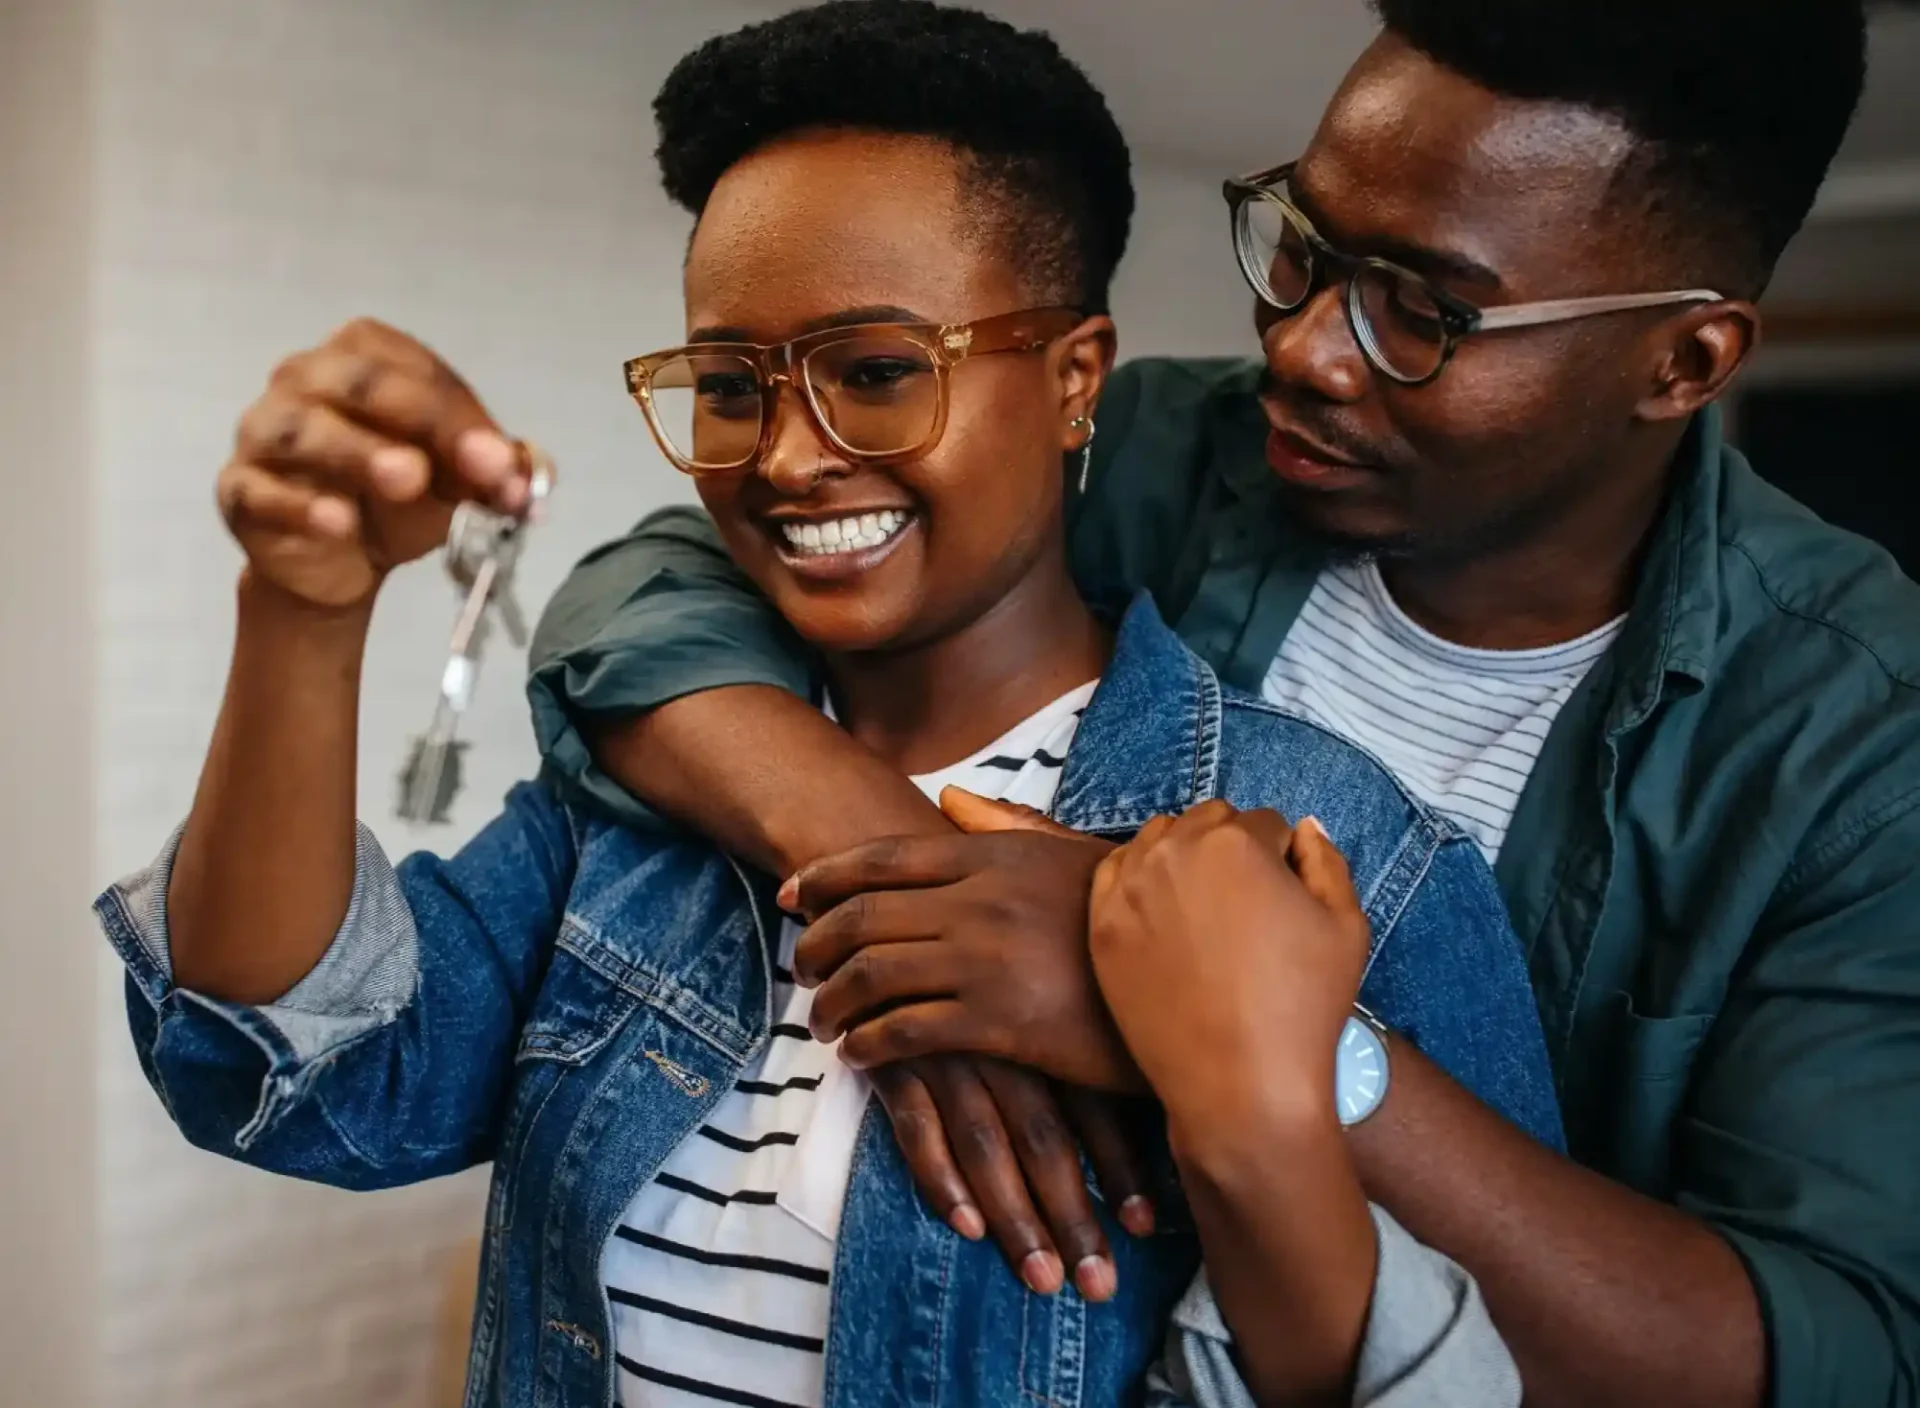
(1086,448)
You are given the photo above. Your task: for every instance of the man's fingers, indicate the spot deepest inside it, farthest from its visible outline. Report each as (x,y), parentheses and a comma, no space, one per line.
(1273,832)
(1050,1158)
(1324,871)
(878,977)
(854,924)
(923,1144)
(897,863)
(975,814)
(1195,822)
(978,1138)
(938,1028)
(1109,1130)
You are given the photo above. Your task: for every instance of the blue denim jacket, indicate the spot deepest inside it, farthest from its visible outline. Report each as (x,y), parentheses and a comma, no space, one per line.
(569,999)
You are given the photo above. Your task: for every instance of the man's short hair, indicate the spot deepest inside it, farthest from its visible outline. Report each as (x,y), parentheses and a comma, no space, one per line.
(1739,105)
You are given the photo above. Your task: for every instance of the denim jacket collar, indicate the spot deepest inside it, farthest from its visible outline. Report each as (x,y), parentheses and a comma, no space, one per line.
(1149,743)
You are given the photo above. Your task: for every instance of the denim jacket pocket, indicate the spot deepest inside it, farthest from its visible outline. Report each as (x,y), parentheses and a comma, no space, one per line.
(579,1007)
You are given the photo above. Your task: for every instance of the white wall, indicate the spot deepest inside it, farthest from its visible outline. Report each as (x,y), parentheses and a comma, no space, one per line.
(47,955)
(479,173)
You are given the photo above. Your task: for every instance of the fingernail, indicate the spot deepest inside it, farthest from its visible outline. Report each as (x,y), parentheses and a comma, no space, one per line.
(400,471)
(334,517)
(966,1220)
(485,456)
(1096,1279)
(1041,1271)
(1136,1215)
(1312,825)
(789,896)
(513,495)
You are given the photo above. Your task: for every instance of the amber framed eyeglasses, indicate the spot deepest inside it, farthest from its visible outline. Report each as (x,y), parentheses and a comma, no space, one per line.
(878,392)
(1408,328)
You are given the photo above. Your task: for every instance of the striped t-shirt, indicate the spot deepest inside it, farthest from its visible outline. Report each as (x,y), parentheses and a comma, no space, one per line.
(719,1273)
(1461,728)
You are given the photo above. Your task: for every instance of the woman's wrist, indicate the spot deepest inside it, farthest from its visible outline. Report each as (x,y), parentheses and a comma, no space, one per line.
(265,607)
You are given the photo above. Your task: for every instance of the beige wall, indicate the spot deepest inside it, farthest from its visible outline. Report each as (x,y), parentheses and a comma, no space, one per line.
(48,957)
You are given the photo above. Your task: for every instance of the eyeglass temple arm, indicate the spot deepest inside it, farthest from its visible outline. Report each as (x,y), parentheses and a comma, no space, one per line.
(1565,310)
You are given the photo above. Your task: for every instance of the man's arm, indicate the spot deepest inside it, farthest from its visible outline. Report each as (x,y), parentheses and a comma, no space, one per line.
(1788,1268)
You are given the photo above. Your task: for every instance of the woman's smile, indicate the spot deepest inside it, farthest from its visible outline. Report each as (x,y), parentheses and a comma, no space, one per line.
(837,544)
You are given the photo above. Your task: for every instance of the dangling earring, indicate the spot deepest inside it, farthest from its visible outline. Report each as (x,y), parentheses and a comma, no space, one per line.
(1086,448)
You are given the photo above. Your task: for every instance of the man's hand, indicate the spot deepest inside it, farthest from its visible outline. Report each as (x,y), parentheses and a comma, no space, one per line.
(1229,947)
(993,1150)
(930,945)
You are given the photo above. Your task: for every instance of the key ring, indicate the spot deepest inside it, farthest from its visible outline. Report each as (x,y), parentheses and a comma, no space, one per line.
(482,548)
(478,533)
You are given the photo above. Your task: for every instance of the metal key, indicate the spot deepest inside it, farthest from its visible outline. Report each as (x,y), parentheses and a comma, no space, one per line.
(482,551)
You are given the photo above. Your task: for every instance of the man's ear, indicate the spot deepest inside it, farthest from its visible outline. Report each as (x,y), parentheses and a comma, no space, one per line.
(1697,356)
(1084,358)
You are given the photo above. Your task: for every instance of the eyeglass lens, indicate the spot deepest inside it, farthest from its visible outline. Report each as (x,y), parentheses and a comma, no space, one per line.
(1396,319)
(876,394)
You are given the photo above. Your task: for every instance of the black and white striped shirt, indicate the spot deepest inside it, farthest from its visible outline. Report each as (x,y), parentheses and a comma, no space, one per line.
(718,1276)
(1461,728)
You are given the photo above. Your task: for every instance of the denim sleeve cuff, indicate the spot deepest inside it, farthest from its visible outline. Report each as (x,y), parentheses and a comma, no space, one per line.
(1428,1341)
(365,979)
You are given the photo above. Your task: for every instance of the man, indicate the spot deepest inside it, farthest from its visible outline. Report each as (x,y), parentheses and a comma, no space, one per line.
(1509,551)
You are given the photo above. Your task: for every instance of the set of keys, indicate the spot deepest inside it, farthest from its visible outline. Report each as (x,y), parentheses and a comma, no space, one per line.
(483,548)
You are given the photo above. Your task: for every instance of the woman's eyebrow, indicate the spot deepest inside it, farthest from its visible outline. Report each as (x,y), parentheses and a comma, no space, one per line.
(850,317)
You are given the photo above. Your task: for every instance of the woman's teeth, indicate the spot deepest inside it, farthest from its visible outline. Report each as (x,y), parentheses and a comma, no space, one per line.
(868,530)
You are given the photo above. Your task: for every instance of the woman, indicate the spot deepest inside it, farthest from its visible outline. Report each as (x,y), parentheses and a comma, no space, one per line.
(893,302)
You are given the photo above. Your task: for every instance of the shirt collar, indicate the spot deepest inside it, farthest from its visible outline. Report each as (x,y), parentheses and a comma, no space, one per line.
(1673,626)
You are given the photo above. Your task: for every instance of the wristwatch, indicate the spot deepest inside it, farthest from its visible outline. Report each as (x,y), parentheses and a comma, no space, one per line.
(1360,1067)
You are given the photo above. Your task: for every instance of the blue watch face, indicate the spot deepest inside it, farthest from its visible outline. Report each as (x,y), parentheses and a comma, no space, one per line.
(1359,1072)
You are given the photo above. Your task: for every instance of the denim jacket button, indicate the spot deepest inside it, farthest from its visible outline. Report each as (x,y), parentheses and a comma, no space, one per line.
(582,1341)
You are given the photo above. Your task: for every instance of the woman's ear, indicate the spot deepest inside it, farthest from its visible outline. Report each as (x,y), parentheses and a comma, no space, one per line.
(1697,357)
(1083,358)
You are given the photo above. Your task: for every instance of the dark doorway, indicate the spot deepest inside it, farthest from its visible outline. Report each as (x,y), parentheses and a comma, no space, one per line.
(1851,454)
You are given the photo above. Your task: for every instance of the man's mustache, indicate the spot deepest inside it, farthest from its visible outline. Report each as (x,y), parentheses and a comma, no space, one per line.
(1314,424)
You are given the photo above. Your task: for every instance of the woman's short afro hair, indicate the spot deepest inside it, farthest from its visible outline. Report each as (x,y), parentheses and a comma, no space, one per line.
(1046,161)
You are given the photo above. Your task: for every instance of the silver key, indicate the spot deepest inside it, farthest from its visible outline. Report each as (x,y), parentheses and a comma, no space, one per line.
(482,551)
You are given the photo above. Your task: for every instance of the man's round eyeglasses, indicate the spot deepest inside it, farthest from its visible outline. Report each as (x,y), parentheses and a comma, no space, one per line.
(1408,327)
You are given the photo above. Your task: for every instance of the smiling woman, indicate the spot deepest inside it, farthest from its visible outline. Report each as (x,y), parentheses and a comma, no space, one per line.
(908,217)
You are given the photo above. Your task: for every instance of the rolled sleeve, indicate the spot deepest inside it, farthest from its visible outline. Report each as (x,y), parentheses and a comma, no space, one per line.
(1796,1138)
(367,976)
(1429,1340)
(658,615)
